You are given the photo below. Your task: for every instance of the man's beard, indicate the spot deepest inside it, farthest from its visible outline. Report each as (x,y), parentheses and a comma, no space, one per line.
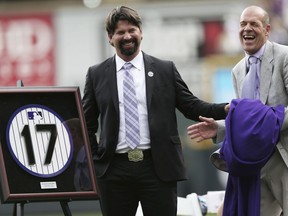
(128,52)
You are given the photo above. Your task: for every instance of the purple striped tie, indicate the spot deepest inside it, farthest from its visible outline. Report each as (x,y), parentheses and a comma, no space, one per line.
(130,108)
(249,89)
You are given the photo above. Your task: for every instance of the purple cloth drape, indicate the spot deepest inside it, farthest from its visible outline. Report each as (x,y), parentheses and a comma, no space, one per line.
(252,132)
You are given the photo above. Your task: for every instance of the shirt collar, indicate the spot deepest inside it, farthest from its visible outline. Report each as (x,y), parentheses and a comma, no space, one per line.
(136,62)
(258,54)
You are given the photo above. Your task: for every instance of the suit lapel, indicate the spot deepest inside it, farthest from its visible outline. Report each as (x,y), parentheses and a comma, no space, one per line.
(239,74)
(149,77)
(266,72)
(110,71)
(150,73)
(242,73)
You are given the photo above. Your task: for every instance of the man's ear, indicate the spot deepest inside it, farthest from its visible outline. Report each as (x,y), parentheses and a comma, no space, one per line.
(268,28)
(110,39)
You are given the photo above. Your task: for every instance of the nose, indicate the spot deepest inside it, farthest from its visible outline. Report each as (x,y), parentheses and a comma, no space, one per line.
(127,36)
(247,27)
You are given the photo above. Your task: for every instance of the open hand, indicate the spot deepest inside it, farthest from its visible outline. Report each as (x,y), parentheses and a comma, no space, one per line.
(206,129)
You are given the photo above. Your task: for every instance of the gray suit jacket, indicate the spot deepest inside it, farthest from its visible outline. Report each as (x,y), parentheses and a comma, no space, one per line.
(273,87)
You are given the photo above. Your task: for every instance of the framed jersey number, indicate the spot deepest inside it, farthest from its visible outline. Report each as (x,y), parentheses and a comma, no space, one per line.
(39,141)
(44,149)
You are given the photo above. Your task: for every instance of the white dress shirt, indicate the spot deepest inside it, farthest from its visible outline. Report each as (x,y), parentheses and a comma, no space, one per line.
(138,73)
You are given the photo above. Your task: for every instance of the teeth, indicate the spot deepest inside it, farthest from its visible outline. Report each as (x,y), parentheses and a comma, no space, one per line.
(249,37)
(128,43)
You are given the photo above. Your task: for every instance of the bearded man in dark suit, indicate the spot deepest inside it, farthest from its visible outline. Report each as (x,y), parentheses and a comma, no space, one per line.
(147,173)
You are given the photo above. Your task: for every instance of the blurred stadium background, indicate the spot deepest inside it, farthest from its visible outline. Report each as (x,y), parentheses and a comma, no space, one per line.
(53,42)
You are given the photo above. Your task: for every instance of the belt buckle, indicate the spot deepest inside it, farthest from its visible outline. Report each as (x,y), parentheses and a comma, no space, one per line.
(135,155)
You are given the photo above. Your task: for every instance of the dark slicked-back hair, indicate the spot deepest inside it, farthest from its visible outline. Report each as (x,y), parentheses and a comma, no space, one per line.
(122,13)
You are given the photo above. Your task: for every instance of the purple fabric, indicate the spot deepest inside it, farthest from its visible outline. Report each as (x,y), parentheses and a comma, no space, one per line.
(252,132)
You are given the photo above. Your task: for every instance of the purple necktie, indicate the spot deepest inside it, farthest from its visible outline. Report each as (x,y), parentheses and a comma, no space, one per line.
(249,89)
(130,108)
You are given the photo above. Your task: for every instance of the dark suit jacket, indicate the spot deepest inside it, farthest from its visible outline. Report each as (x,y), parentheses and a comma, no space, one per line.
(165,92)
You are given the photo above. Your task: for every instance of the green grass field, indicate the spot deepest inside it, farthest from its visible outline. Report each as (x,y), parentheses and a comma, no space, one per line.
(93,214)
(79,214)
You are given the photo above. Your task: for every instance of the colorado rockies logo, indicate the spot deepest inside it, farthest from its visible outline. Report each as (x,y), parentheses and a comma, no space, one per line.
(39,141)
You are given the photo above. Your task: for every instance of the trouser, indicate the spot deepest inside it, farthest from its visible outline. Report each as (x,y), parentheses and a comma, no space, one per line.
(274,187)
(127,183)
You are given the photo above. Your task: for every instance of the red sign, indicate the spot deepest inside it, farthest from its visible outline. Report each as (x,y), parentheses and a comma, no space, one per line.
(27,50)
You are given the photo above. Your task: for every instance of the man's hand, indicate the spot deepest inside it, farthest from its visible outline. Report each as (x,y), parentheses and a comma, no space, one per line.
(206,129)
(226,108)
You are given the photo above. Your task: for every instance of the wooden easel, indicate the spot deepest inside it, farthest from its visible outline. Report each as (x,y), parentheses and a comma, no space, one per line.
(19,209)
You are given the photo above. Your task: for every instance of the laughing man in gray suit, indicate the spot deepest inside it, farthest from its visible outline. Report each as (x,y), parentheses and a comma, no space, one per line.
(271,89)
